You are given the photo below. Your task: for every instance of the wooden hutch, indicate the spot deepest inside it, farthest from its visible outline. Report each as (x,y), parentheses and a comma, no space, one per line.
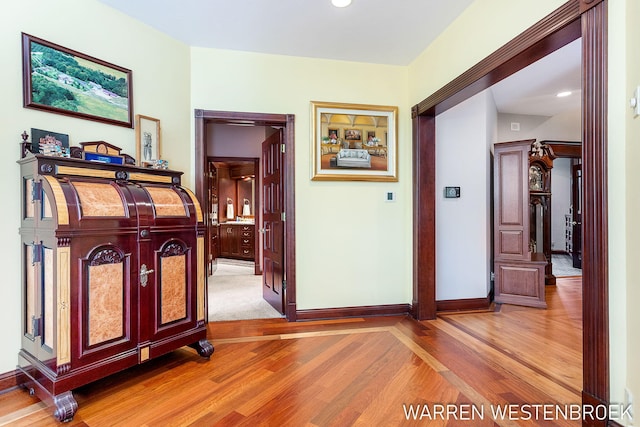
(113,272)
(522,209)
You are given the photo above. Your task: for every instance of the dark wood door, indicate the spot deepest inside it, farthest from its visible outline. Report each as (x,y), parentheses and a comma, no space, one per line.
(576,191)
(273,222)
(212,223)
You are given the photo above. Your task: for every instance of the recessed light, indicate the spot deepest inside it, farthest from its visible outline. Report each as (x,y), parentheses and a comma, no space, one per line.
(341,3)
(563,94)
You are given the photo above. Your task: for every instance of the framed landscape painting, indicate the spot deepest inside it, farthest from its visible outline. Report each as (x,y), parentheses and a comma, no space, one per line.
(63,81)
(340,153)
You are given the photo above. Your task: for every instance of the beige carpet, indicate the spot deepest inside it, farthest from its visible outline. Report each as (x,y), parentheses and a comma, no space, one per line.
(235,293)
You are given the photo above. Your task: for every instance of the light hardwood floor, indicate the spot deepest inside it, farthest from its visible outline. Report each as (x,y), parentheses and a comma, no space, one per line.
(360,371)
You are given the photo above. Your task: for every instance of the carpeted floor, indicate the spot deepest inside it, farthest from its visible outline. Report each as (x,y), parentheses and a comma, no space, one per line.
(235,293)
(563,266)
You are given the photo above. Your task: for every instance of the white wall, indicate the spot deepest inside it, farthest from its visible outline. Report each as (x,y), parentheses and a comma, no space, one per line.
(160,79)
(353,248)
(565,126)
(436,66)
(464,136)
(560,201)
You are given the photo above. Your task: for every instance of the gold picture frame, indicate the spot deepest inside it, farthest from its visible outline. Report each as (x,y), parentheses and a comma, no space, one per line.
(147,140)
(354,158)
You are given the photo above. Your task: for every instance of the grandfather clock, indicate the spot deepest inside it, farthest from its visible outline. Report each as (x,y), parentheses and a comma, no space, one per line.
(540,164)
(519,269)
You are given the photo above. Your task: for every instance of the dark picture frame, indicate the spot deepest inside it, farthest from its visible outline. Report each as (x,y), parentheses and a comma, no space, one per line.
(353,134)
(63,81)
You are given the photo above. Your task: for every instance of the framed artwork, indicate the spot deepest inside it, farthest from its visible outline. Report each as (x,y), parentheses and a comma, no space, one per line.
(334,133)
(63,81)
(43,138)
(353,134)
(147,140)
(351,159)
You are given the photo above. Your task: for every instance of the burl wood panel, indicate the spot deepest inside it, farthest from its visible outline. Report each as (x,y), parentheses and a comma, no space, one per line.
(196,204)
(49,283)
(64,306)
(173,301)
(30,291)
(106,306)
(29,208)
(201,279)
(166,202)
(47,212)
(59,200)
(99,199)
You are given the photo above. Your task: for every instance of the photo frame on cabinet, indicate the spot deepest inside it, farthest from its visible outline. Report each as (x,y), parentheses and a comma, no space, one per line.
(147,140)
(62,81)
(349,158)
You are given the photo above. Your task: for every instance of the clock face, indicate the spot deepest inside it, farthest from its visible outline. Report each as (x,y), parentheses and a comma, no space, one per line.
(101,148)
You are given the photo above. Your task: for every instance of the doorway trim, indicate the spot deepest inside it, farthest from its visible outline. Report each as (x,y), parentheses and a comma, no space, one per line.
(286,122)
(574,19)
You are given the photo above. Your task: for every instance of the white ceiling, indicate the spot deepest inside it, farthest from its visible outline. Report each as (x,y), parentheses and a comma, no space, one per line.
(533,90)
(391,32)
(374,31)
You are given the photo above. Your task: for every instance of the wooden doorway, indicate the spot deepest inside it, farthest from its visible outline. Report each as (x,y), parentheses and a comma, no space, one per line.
(576,18)
(285,122)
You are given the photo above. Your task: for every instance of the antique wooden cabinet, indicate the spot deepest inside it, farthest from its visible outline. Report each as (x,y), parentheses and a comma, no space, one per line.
(113,272)
(519,270)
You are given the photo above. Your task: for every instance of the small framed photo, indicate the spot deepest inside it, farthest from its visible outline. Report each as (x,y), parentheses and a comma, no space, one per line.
(349,158)
(41,138)
(147,140)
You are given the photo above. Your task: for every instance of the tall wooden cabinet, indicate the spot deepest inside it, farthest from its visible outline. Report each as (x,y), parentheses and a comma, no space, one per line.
(113,272)
(519,270)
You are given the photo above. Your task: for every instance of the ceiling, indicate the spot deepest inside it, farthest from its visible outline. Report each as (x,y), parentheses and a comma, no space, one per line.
(372,31)
(375,31)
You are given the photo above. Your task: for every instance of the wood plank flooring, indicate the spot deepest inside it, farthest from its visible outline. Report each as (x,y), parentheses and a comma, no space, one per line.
(359,371)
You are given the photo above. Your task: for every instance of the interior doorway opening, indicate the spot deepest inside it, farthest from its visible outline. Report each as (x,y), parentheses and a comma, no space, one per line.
(567,23)
(247,201)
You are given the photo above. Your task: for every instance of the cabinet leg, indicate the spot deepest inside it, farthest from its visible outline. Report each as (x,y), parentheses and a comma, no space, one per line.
(66,406)
(203,347)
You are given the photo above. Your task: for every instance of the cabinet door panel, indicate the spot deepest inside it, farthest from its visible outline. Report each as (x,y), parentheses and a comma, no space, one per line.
(107,298)
(170,294)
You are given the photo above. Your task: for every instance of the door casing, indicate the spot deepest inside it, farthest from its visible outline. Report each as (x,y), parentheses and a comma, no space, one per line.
(574,19)
(286,122)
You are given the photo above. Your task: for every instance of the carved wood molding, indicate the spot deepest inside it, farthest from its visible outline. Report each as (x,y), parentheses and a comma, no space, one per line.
(531,45)
(173,249)
(576,18)
(588,4)
(106,256)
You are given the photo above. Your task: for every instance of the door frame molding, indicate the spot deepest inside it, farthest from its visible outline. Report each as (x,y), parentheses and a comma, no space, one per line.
(286,122)
(574,19)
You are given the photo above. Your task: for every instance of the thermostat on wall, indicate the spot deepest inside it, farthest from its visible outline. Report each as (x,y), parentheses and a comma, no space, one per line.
(451,192)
